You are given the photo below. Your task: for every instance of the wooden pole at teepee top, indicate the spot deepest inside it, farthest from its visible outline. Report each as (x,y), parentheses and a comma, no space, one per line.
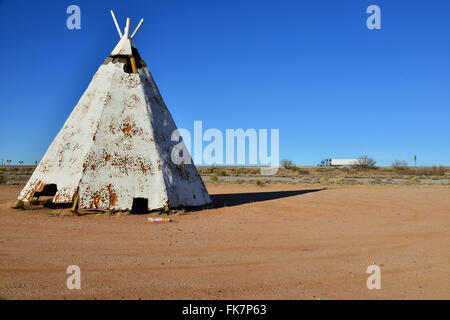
(117,25)
(137,28)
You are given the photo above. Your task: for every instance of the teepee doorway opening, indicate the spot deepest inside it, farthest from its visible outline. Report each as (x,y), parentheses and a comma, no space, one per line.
(49,190)
(140,206)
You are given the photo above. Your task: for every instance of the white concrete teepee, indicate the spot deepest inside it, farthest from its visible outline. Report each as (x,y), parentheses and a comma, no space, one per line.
(114,150)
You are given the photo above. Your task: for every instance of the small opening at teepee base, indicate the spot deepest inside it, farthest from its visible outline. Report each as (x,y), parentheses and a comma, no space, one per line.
(140,206)
(45,197)
(48,191)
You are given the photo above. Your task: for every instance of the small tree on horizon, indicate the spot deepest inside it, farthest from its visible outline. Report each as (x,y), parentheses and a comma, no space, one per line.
(399,164)
(366,162)
(286,163)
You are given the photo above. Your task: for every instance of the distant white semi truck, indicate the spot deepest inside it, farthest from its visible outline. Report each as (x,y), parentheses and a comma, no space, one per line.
(337,162)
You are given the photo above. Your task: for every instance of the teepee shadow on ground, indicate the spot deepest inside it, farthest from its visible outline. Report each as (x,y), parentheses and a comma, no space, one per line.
(235,199)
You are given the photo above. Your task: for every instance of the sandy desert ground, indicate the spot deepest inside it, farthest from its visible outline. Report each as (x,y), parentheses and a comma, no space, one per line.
(259,242)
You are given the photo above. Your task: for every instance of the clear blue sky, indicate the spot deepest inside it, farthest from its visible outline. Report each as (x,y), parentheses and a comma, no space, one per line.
(310,68)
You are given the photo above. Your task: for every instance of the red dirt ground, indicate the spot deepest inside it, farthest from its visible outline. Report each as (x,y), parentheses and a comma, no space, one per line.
(271,242)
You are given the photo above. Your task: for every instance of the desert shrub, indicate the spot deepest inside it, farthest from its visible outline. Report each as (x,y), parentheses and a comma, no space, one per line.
(222,173)
(323,179)
(400,164)
(377,180)
(302,171)
(351,181)
(207,170)
(287,164)
(212,169)
(344,169)
(259,182)
(406,181)
(431,171)
(2,179)
(411,180)
(213,177)
(366,162)
(340,180)
(438,170)
(237,171)
(20,205)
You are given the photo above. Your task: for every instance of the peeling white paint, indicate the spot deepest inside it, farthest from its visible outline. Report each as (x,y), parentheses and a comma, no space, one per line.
(116,146)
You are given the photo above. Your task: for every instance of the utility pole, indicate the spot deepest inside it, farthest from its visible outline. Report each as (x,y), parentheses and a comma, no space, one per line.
(415,159)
